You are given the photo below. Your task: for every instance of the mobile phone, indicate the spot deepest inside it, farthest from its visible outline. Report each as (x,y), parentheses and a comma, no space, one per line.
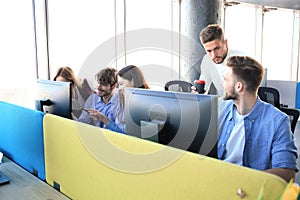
(83,109)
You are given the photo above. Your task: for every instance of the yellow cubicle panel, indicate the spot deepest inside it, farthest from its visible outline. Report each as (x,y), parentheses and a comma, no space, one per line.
(87,162)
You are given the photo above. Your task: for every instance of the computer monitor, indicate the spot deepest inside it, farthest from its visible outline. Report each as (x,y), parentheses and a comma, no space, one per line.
(54,97)
(264,79)
(183,120)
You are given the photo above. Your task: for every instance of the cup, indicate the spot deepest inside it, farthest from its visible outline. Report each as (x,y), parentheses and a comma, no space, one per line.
(199,84)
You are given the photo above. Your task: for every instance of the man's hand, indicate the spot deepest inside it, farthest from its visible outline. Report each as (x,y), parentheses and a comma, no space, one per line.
(194,90)
(96,115)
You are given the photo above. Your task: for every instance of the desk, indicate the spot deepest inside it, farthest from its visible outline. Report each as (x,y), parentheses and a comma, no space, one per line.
(24,185)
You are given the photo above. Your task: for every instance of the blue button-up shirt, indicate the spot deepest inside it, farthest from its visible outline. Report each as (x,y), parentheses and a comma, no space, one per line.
(95,102)
(269,142)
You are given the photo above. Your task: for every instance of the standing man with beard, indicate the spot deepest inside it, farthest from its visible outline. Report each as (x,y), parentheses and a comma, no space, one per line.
(214,62)
(254,133)
(104,103)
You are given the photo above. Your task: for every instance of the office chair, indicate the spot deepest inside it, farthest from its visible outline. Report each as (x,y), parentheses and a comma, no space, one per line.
(178,86)
(85,90)
(270,95)
(293,114)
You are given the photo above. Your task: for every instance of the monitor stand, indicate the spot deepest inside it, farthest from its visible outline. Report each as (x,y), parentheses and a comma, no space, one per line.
(41,104)
(3,178)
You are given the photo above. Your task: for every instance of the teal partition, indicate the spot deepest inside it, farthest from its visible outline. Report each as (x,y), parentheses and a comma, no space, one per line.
(298,96)
(21,137)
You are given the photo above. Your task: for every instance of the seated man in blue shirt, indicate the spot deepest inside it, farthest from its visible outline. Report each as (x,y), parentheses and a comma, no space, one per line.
(104,102)
(253,133)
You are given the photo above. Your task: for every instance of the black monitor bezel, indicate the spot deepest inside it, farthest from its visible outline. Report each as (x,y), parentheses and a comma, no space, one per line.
(184,98)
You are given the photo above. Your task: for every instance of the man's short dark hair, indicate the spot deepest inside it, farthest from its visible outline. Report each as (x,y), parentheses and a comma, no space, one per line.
(211,32)
(247,70)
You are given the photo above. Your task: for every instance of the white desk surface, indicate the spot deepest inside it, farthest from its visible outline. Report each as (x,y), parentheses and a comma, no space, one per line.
(24,185)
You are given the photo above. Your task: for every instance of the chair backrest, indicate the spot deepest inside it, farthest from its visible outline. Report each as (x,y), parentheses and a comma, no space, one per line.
(287,90)
(85,89)
(293,114)
(178,86)
(270,95)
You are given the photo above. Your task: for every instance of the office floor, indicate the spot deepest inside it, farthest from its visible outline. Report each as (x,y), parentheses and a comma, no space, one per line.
(297,139)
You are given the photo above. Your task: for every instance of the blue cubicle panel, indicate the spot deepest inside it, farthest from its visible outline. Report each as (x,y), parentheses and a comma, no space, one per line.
(21,137)
(298,96)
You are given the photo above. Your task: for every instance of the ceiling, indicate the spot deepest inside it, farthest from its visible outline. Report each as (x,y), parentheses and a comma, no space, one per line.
(289,4)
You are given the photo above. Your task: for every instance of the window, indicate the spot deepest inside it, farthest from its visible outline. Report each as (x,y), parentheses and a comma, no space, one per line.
(277,46)
(268,35)
(18,53)
(151,49)
(75,33)
(240,28)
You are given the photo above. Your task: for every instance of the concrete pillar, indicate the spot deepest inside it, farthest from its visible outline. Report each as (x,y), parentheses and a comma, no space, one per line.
(196,14)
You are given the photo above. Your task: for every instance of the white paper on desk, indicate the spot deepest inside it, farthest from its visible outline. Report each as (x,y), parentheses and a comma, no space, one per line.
(1,155)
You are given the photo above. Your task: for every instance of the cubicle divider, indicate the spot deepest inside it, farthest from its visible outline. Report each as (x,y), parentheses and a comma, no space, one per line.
(287,90)
(86,162)
(298,96)
(21,137)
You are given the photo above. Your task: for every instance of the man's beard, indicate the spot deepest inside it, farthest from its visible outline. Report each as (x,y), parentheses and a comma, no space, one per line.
(231,95)
(221,58)
(104,93)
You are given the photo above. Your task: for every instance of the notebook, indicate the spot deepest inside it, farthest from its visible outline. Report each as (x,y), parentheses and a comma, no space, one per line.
(3,178)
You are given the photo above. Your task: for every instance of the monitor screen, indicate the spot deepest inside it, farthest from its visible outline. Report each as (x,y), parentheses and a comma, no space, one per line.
(54,97)
(181,120)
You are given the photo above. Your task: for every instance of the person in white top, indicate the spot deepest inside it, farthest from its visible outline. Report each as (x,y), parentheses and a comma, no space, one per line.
(213,63)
